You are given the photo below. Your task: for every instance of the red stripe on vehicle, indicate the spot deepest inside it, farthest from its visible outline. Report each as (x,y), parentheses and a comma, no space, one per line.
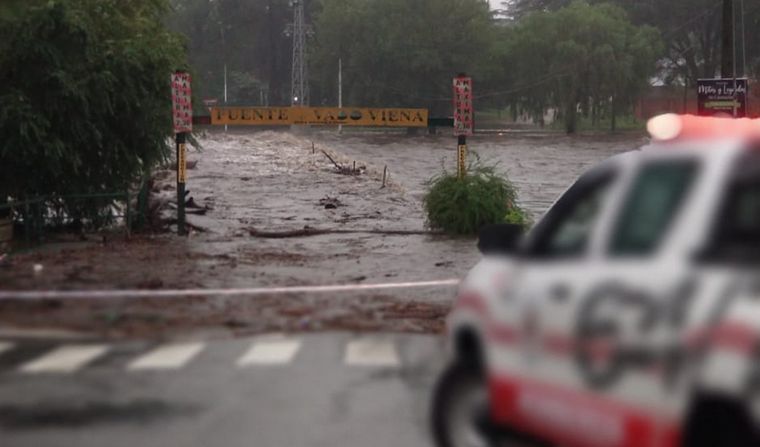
(731,335)
(470,301)
(576,419)
(553,343)
(503,334)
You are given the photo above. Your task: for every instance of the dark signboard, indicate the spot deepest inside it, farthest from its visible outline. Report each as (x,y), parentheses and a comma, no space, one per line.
(716,97)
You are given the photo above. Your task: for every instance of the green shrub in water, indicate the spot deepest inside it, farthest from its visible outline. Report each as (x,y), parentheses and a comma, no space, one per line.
(462,206)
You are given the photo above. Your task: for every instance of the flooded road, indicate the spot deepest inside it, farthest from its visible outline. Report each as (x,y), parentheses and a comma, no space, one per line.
(274,210)
(541,166)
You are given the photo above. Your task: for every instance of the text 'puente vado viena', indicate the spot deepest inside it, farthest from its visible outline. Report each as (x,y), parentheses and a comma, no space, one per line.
(347,116)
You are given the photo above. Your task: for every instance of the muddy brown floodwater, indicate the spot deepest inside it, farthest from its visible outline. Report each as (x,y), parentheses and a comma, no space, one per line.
(253,183)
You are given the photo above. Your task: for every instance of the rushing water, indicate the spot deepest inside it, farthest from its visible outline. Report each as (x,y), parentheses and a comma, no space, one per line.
(540,166)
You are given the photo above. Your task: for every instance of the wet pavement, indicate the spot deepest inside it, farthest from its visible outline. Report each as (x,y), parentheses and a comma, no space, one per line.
(318,390)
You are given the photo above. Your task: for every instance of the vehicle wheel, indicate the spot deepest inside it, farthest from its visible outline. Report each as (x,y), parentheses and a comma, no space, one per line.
(717,422)
(460,408)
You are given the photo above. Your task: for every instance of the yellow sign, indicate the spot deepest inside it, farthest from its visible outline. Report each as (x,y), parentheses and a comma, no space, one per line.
(279,116)
(361,117)
(462,160)
(181,165)
(252,116)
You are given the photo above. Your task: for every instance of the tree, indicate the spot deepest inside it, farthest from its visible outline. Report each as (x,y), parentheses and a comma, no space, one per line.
(84,95)
(248,36)
(583,56)
(520,8)
(398,52)
(691,31)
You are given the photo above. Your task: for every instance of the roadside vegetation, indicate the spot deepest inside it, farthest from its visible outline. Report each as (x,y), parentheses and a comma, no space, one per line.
(85,104)
(462,206)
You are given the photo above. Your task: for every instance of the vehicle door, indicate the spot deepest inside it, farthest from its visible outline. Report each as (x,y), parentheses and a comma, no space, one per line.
(594,279)
(555,263)
(612,337)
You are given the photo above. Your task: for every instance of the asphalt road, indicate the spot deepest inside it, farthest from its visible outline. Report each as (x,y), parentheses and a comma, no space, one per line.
(304,390)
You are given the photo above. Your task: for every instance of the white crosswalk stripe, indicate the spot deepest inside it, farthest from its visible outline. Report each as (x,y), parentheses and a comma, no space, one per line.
(270,350)
(371,352)
(65,359)
(166,357)
(276,351)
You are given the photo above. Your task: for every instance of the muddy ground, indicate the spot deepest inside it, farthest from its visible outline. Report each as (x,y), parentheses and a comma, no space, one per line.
(253,184)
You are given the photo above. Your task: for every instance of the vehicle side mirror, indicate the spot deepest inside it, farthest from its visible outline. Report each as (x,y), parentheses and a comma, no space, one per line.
(500,239)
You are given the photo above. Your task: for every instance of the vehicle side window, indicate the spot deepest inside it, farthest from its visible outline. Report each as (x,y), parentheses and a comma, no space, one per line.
(567,228)
(737,229)
(651,205)
(742,219)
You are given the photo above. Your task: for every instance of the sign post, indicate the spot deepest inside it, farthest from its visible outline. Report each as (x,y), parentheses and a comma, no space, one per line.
(182,112)
(463,119)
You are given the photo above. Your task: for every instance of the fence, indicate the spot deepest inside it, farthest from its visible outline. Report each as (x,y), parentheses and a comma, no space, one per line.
(36,215)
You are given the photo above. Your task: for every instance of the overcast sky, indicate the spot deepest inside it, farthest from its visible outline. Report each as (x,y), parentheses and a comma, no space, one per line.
(495,3)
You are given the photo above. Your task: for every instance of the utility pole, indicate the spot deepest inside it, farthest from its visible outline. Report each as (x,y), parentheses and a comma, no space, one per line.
(225,87)
(727,47)
(224,55)
(340,90)
(299,92)
(273,87)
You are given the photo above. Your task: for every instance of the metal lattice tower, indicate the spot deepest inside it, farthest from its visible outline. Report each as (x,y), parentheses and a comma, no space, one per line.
(299,93)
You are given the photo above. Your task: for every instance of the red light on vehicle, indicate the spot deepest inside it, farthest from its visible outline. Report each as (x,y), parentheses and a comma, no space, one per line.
(670,127)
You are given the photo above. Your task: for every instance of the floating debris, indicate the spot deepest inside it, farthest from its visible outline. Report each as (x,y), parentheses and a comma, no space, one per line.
(330,203)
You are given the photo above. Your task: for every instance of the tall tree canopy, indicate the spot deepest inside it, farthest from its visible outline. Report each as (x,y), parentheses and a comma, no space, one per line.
(691,30)
(249,37)
(583,56)
(398,52)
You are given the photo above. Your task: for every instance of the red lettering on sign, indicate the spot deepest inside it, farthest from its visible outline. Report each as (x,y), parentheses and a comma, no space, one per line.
(182,106)
(463,113)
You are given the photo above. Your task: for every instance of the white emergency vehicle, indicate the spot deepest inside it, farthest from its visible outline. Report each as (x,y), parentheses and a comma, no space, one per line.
(629,315)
